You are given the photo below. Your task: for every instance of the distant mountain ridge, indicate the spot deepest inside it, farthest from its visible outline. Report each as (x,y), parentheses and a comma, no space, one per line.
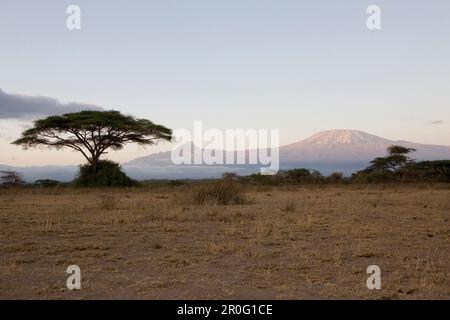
(332,145)
(333,150)
(354,145)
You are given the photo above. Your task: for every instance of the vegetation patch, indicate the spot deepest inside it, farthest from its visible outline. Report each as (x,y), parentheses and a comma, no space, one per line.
(106,174)
(223,192)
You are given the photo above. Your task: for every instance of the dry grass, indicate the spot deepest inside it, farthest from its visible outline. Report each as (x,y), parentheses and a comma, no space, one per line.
(220,192)
(108,201)
(285,243)
(290,205)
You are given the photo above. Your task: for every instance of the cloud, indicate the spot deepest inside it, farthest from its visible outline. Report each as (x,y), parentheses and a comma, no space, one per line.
(437,122)
(17,106)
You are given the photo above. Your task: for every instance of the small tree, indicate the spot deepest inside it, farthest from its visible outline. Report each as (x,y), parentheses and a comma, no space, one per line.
(11,178)
(336,177)
(396,159)
(92,133)
(389,168)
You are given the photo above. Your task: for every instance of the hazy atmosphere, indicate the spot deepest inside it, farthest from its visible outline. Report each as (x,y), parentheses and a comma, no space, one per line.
(302,67)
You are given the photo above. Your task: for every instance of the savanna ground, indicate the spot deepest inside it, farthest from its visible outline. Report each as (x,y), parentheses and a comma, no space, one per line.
(287,243)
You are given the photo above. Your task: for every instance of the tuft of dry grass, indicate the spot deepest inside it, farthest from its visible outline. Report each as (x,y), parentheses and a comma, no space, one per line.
(108,201)
(290,206)
(222,192)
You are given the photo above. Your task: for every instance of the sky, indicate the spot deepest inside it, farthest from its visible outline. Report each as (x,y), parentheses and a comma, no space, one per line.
(300,66)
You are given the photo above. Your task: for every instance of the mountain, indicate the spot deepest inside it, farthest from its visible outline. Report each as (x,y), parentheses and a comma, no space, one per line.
(31,174)
(334,150)
(354,145)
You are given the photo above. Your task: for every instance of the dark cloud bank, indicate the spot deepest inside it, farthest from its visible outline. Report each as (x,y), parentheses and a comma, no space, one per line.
(17,106)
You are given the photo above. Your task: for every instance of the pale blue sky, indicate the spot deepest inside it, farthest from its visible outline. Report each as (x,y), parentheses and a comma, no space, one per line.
(301,66)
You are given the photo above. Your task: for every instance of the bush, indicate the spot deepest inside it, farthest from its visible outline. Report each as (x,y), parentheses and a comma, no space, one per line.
(431,171)
(286,177)
(376,176)
(47,183)
(336,177)
(222,192)
(108,174)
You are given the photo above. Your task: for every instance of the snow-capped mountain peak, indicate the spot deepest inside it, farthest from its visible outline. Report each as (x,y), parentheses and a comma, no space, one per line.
(342,137)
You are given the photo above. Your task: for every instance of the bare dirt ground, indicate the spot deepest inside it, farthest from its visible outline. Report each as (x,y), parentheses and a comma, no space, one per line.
(288,243)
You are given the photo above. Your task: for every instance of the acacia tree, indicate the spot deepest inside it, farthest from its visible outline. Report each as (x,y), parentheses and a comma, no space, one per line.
(11,178)
(92,133)
(396,159)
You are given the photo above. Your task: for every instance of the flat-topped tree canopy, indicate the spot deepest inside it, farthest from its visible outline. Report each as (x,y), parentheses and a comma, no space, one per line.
(92,133)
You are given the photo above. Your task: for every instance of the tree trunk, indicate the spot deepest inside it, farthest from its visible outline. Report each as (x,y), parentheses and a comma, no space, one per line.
(94,164)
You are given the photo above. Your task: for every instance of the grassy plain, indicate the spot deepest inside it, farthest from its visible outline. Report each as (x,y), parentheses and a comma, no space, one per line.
(285,243)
